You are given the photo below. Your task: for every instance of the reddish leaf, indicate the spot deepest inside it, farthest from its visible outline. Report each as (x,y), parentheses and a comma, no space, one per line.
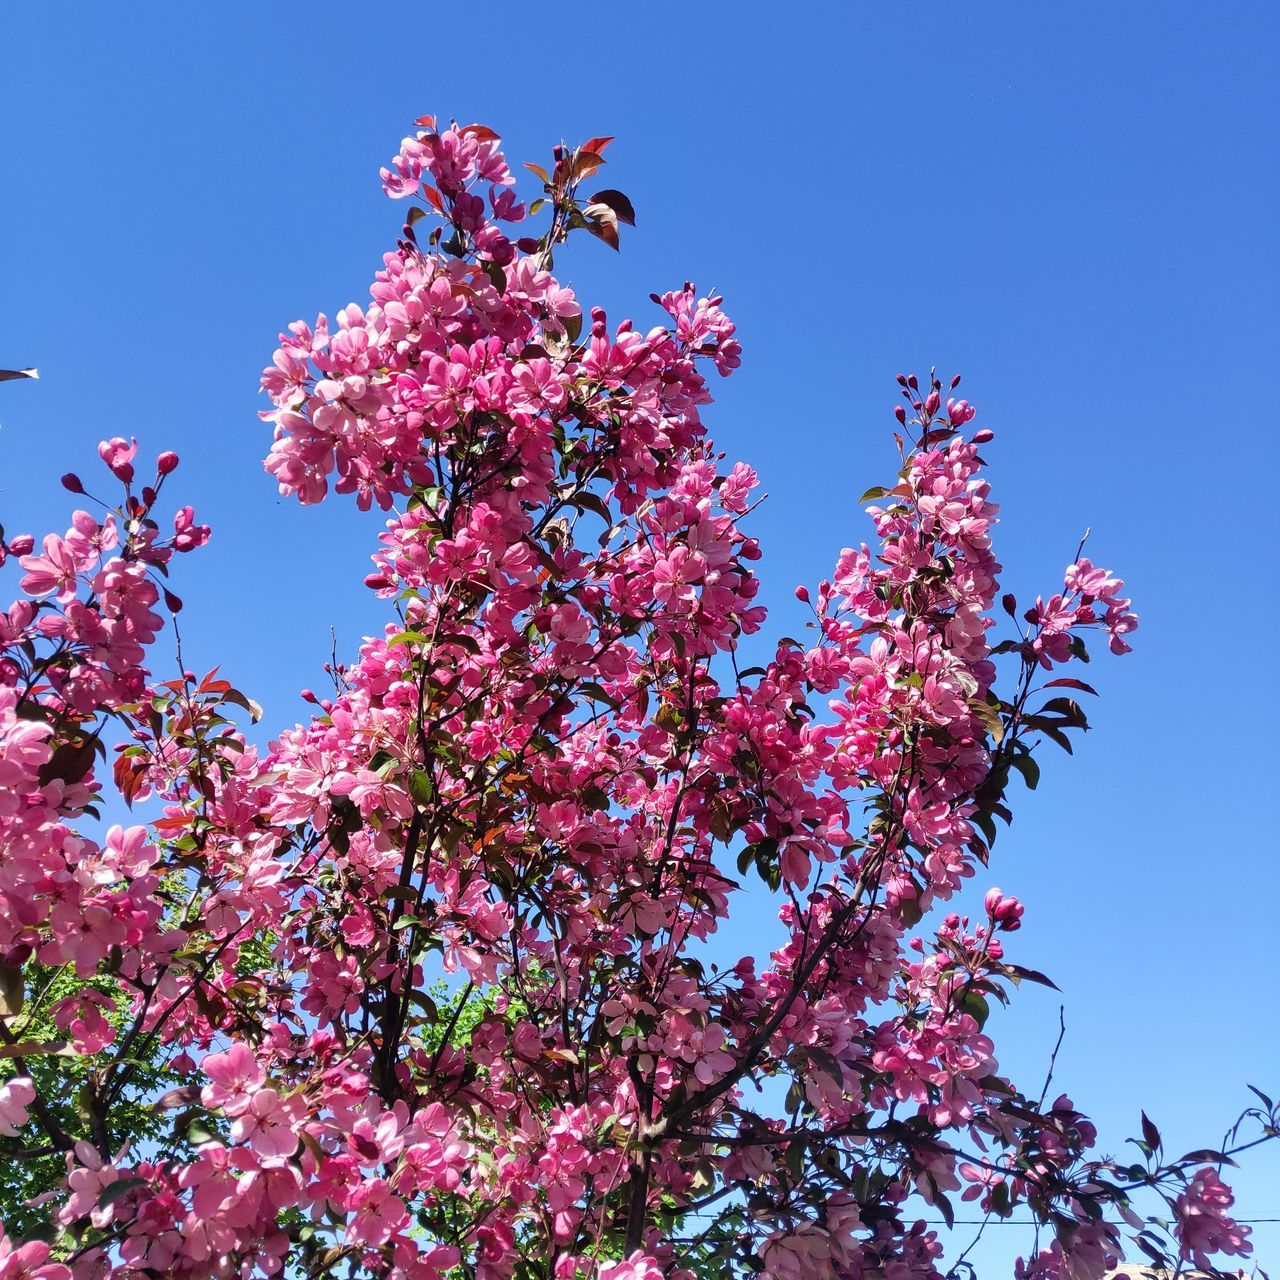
(585,164)
(602,222)
(619,203)
(1069,682)
(1150,1134)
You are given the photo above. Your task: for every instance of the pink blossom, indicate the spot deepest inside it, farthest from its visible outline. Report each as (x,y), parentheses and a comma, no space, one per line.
(235,1073)
(16,1097)
(1203,1226)
(118,454)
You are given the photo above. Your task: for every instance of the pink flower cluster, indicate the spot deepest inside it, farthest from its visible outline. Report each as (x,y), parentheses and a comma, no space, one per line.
(429,970)
(1203,1225)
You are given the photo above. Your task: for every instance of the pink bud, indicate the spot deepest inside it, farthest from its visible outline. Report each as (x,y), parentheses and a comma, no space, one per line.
(22,544)
(960,412)
(1010,914)
(166,462)
(955,382)
(932,403)
(981,437)
(172,603)
(802,594)
(912,382)
(1004,912)
(118,455)
(71,482)
(900,413)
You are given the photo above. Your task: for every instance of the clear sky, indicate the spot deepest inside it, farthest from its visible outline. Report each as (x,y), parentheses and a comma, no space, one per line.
(1074,204)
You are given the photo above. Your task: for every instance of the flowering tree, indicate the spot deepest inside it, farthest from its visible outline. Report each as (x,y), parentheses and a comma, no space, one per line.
(424,989)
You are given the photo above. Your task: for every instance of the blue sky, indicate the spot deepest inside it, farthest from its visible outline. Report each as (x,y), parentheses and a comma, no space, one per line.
(1073,204)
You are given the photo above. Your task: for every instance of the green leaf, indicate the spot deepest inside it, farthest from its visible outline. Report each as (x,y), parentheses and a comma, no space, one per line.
(421,788)
(593,502)
(598,694)
(1030,770)
(1020,973)
(462,641)
(121,1187)
(986,824)
(1000,1200)
(876,491)
(198,1132)
(407,637)
(976,1006)
(1070,710)
(425,1003)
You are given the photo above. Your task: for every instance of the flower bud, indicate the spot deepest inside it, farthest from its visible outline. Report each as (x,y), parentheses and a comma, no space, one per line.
(118,455)
(166,462)
(802,594)
(932,403)
(960,412)
(1005,913)
(22,545)
(981,437)
(900,413)
(71,483)
(912,382)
